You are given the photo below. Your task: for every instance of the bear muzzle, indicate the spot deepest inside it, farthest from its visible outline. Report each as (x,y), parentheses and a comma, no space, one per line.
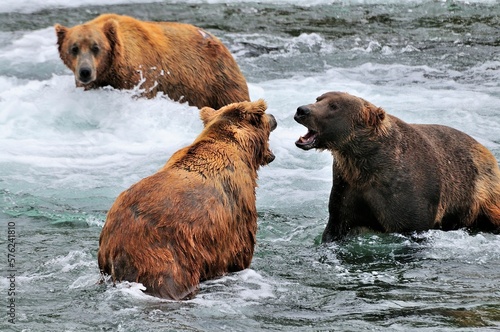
(272,121)
(85,70)
(302,113)
(307,141)
(272,124)
(85,74)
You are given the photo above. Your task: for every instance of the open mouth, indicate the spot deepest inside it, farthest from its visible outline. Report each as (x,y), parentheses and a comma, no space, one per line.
(273,124)
(308,141)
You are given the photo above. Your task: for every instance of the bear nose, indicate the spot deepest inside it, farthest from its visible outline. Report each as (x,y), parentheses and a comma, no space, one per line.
(85,73)
(272,121)
(302,112)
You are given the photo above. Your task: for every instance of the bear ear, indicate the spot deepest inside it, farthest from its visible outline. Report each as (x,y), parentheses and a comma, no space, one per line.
(207,114)
(244,108)
(61,32)
(251,111)
(372,115)
(258,106)
(110,29)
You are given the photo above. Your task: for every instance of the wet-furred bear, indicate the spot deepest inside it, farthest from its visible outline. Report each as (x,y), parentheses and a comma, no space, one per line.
(185,62)
(196,218)
(392,176)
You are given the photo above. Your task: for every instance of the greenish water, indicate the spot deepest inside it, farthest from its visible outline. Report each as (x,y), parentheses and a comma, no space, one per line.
(65,155)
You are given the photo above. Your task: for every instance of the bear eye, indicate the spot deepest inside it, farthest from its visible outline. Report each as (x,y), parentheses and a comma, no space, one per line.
(333,106)
(95,49)
(74,50)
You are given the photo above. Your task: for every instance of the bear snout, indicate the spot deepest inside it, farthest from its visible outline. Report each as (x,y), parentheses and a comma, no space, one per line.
(302,113)
(85,74)
(269,158)
(272,121)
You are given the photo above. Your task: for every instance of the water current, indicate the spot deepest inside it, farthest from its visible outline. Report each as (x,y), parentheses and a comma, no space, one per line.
(65,154)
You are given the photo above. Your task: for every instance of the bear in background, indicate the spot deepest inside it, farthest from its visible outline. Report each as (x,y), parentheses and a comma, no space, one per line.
(180,60)
(196,218)
(391,176)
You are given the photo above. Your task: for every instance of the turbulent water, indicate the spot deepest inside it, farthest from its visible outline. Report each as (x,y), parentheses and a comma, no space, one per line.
(65,154)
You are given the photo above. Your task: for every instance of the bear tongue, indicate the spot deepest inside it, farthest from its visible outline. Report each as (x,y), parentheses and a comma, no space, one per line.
(308,138)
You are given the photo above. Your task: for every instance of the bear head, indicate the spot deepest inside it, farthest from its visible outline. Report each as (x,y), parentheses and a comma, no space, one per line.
(245,123)
(88,49)
(335,119)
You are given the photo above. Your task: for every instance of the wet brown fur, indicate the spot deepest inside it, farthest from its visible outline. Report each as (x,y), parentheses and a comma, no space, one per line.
(181,60)
(195,219)
(391,176)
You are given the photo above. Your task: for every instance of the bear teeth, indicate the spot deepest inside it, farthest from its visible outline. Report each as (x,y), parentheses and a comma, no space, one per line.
(308,139)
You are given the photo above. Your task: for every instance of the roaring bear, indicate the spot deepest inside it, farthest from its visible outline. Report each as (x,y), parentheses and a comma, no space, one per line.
(195,219)
(180,60)
(391,176)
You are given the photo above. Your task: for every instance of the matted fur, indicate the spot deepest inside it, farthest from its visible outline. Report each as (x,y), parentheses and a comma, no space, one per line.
(391,176)
(181,60)
(195,219)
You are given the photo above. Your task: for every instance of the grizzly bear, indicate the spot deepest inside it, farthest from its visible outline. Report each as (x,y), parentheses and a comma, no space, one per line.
(195,219)
(182,61)
(391,176)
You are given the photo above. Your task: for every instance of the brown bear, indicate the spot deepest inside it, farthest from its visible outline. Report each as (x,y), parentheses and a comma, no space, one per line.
(181,60)
(391,176)
(195,219)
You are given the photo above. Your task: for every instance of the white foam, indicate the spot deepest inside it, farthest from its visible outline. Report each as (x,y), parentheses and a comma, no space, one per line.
(31,6)
(84,281)
(246,287)
(261,287)
(134,290)
(33,47)
(53,125)
(71,261)
(76,260)
(308,42)
(459,245)
(94,221)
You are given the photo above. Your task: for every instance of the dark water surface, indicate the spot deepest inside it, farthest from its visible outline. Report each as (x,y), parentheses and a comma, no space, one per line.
(66,154)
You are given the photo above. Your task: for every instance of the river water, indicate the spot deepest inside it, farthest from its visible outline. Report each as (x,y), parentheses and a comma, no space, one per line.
(65,155)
